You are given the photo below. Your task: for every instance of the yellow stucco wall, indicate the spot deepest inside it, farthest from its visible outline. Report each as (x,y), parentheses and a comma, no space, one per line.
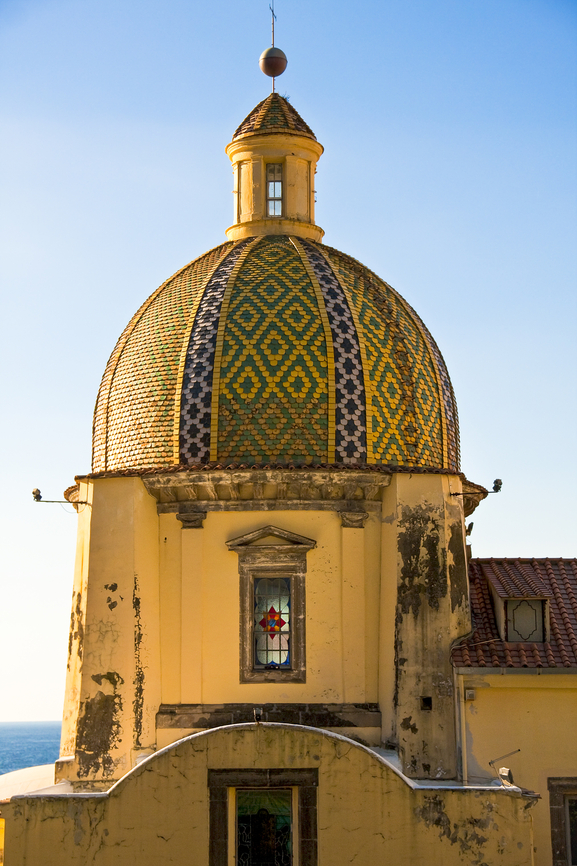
(528,711)
(367,814)
(113,686)
(157,606)
(186,582)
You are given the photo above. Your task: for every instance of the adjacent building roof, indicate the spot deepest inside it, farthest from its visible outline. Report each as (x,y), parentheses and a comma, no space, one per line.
(552,579)
(516,578)
(273,115)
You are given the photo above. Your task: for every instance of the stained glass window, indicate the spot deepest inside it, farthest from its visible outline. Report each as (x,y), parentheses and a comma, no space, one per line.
(263,827)
(272,611)
(274,189)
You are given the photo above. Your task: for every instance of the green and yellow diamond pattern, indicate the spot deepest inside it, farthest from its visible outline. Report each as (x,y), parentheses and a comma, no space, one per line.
(273,381)
(405,412)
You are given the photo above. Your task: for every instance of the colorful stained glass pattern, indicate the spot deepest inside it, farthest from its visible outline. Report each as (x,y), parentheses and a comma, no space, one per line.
(272,622)
(350,400)
(406,409)
(134,414)
(263,827)
(273,395)
(195,407)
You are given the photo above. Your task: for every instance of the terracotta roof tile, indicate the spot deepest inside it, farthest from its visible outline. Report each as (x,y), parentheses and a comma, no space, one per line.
(551,579)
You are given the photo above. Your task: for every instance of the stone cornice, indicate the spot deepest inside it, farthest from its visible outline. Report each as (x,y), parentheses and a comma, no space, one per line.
(266,490)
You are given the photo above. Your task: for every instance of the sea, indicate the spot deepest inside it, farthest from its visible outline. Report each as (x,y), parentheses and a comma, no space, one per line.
(28,744)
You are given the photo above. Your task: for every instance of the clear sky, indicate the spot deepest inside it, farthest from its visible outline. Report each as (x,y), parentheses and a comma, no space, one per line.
(449,129)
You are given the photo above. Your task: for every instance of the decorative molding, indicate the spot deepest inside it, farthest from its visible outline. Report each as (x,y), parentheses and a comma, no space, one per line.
(191,519)
(204,716)
(353,519)
(266,490)
(288,540)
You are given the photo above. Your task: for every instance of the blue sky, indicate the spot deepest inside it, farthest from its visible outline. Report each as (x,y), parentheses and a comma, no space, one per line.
(450,136)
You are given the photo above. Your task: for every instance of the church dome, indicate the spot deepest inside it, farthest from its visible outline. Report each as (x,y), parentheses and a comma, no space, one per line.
(274,348)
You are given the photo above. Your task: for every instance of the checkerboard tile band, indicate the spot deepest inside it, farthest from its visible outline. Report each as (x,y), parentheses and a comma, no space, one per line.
(134,413)
(195,406)
(407,410)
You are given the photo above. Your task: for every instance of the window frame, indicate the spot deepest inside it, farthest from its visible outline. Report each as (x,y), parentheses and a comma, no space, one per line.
(249,572)
(275,198)
(561,790)
(222,810)
(272,552)
(509,634)
(256,575)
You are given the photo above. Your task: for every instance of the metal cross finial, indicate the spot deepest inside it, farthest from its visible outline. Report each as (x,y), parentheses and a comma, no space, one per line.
(273,19)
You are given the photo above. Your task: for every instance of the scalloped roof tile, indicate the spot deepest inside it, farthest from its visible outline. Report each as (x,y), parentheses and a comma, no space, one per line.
(273,115)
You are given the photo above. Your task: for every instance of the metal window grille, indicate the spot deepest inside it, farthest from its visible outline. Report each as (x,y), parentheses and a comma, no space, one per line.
(272,615)
(274,189)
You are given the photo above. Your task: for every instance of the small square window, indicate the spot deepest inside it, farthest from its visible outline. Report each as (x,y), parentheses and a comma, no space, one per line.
(525,620)
(563,805)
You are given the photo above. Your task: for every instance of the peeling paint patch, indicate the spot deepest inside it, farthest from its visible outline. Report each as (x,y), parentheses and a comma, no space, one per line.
(422,574)
(138,702)
(469,834)
(76,632)
(457,568)
(112,587)
(408,725)
(99,727)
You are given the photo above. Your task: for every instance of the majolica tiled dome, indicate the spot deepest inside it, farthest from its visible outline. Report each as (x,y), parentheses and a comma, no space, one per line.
(275,349)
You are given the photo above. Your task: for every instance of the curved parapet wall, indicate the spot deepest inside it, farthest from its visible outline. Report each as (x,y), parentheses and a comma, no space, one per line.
(352,805)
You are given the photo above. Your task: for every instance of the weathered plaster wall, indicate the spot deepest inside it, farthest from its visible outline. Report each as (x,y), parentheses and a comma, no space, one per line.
(528,711)
(424,560)
(157,608)
(77,626)
(116,698)
(367,814)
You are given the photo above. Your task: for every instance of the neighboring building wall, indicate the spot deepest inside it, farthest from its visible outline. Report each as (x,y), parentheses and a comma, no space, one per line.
(528,710)
(367,813)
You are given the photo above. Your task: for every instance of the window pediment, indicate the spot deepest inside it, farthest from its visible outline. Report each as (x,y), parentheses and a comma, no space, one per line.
(272,537)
